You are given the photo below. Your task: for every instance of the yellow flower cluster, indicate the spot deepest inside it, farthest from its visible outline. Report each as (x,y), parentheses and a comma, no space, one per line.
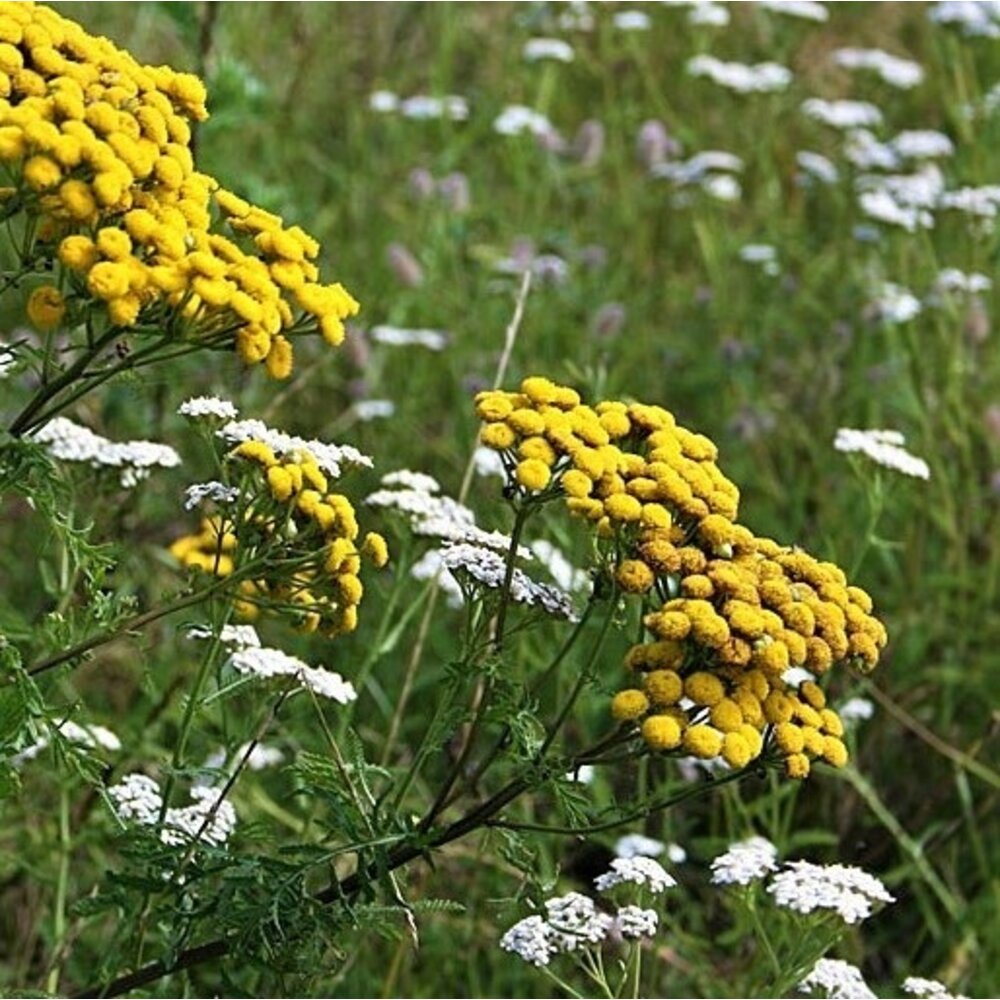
(99,147)
(313,571)
(742,610)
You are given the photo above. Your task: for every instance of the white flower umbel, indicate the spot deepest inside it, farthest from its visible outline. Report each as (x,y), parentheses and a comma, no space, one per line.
(980,202)
(635,922)
(331,458)
(262,756)
(231,636)
(200,407)
(209,819)
(637,845)
(700,166)
(489,569)
(843,114)
(707,13)
(423,107)
(91,737)
(896,304)
(866,152)
(556,49)
(516,118)
(845,890)
(383,101)
(71,442)
(264,662)
(856,710)
(882,206)
(532,940)
(367,410)
(576,921)
(976,20)
(922,144)
(197,493)
(762,78)
(430,566)
(137,799)
(410,480)
(399,336)
(631,20)
(897,72)
(745,862)
(927,989)
(838,980)
(952,281)
(635,871)
(885,447)
(488,462)
(817,167)
(807,10)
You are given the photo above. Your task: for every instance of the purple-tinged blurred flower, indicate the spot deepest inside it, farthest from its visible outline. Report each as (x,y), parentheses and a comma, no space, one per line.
(654,144)
(454,191)
(420,183)
(588,146)
(404,265)
(609,320)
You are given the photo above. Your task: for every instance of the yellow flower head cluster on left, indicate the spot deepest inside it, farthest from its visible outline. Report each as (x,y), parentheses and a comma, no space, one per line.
(304,537)
(728,613)
(99,149)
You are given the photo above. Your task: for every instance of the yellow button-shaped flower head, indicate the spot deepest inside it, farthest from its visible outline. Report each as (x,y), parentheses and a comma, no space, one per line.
(629,705)
(661,732)
(46,307)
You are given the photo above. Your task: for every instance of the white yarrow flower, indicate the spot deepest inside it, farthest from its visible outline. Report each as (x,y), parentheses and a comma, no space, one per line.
(635,922)
(766,77)
(847,891)
(577,921)
(556,49)
(745,862)
(197,493)
(397,336)
(636,871)
(516,118)
(634,845)
(198,407)
(897,72)
(631,20)
(532,940)
(927,989)
(264,662)
(843,114)
(885,447)
(838,980)
(807,10)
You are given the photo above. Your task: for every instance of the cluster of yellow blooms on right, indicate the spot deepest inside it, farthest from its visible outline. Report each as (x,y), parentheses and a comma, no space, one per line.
(305,535)
(729,612)
(99,148)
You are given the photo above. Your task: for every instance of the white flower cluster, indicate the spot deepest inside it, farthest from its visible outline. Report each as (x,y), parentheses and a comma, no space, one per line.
(637,870)
(708,13)
(261,757)
(265,662)
(231,636)
(982,202)
(209,819)
(199,407)
(398,336)
(744,862)
(817,167)
(895,304)
(839,980)
(197,493)
(952,281)
(897,72)
(711,169)
(855,710)
(928,989)
(329,457)
(573,921)
(631,20)
(635,922)
(843,114)
(886,447)
(420,106)
(71,442)
(433,515)
(922,144)
(808,10)
(634,845)
(974,19)
(517,118)
(90,737)
(488,568)
(762,78)
(763,254)
(848,891)
(367,410)
(556,49)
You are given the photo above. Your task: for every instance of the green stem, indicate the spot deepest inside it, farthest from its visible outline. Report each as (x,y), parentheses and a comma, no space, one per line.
(62,885)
